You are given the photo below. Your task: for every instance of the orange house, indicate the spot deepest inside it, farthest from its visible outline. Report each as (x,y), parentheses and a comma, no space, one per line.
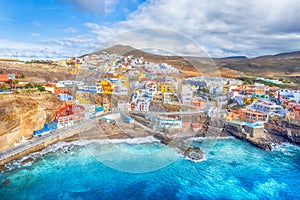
(107,87)
(251,116)
(196,102)
(4,78)
(259,90)
(233,115)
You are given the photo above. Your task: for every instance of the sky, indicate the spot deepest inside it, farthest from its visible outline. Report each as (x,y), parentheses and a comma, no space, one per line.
(50,29)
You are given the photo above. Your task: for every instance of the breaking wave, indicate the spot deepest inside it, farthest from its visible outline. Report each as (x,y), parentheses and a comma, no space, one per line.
(65,147)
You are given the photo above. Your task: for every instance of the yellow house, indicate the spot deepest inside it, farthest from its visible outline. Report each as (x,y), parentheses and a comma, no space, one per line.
(166,87)
(107,87)
(106,107)
(250,100)
(225,89)
(62,63)
(83,100)
(77,65)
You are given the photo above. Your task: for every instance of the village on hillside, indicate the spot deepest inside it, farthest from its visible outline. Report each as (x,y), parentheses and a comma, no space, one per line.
(121,89)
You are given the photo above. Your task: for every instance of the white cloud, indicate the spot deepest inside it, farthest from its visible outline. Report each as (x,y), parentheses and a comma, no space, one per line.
(228,27)
(222,27)
(46,50)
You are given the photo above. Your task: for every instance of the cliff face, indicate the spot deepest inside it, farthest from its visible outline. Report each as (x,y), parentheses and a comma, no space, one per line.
(21,114)
(277,131)
(281,131)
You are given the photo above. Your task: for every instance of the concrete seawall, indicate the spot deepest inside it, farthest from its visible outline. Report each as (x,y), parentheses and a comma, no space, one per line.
(45,140)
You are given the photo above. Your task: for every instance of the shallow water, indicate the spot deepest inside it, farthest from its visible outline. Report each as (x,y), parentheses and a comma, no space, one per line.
(233,169)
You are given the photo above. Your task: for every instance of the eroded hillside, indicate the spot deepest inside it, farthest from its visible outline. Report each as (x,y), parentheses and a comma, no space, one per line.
(21,114)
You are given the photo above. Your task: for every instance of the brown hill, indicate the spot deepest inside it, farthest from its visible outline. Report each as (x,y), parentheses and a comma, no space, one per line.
(42,72)
(285,65)
(190,66)
(117,49)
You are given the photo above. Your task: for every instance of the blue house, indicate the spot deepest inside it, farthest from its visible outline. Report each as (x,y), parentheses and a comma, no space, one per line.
(52,126)
(65,97)
(100,109)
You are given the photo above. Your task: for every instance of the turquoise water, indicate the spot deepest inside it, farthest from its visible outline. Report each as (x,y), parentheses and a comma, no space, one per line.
(233,169)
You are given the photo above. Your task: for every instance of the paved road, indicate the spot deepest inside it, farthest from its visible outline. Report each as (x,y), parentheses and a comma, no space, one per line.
(65,132)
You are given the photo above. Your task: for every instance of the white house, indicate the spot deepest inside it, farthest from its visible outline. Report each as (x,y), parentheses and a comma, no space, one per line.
(270,108)
(69,83)
(289,94)
(169,123)
(142,104)
(123,106)
(121,90)
(150,89)
(186,94)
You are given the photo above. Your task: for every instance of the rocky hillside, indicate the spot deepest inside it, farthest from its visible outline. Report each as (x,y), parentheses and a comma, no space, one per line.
(281,131)
(20,115)
(285,65)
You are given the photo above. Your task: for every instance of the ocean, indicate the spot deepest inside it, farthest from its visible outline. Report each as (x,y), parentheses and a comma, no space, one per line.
(146,169)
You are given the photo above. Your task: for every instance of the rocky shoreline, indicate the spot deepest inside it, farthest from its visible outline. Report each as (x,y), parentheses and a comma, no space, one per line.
(277,132)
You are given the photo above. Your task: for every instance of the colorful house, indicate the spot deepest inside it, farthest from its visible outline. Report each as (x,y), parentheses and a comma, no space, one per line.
(166,87)
(169,123)
(83,100)
(52,126)
(262,97)
(65,97)
(196,101)
(292,111)
(251,116)
(246,115)
(142,104)
(250,100)
(268,107)
(107,87)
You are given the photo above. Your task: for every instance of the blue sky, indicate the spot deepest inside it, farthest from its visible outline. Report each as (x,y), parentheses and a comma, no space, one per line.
(55,18)
(60,28)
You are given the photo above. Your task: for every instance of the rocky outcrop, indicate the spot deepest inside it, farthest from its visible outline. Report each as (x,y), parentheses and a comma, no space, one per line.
(189,152)
(236,130)
(163,138)
(279,131)
(21,114)
(194,154)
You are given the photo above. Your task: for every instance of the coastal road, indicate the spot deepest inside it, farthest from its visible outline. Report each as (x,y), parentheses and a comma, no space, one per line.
(54,136)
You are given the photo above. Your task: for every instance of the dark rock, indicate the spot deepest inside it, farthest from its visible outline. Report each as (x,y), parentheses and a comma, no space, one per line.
(194,153)
(2,168)
(27,160)
(162,138)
